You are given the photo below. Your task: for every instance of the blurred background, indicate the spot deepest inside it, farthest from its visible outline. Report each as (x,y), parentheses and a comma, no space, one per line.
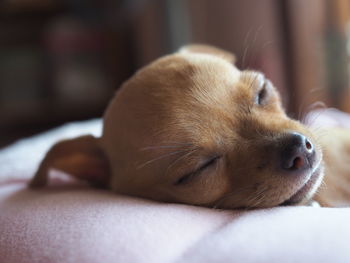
(62,60)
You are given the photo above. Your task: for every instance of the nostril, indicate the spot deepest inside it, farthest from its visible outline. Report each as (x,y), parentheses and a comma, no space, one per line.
(293,164)
(298,163)
(308,145)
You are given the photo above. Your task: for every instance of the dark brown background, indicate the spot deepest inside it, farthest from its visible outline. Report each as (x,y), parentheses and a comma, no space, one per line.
(62,60)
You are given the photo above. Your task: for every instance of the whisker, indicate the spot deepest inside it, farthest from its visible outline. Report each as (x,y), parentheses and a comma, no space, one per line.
(302,109)
(320,133)
(159,158)
(268,43)
(252,43)
(159,147)
(316,105)
(219,202)
(179,159)
(257,197)
(323,185)
(246,47)
(180,143)
(229,195)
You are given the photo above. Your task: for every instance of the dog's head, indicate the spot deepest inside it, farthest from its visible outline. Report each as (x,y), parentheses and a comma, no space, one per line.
(192,128)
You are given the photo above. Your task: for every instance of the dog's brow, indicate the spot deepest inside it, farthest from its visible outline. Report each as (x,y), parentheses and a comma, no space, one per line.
(160,147)
(180,158)
(159,158)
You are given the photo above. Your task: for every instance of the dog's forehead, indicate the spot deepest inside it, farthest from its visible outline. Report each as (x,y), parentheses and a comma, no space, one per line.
(173,70)
(200,89)
(206,70)
(181,80)
(209,62)
(213,77)
(194,76)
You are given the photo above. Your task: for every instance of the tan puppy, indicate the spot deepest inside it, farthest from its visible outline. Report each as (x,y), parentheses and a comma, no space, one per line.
(192,128)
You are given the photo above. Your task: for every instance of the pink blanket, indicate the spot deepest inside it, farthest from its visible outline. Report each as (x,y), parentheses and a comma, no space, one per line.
(74,223)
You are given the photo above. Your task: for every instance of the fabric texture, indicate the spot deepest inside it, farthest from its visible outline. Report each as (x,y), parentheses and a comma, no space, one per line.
(71,222)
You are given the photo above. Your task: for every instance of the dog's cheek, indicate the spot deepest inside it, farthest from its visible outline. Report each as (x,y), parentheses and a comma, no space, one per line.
(245,163)
(253,178)
(205,190)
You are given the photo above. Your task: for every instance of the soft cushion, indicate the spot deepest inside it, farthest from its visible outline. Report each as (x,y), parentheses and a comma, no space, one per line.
(71,222)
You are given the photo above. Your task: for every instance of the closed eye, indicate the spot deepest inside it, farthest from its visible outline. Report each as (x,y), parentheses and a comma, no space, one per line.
(188,177)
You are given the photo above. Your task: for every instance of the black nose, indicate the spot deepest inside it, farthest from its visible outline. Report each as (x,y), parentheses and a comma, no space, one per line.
(297,152)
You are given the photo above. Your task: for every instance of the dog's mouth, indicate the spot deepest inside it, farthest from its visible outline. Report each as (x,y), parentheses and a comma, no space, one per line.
(307,190)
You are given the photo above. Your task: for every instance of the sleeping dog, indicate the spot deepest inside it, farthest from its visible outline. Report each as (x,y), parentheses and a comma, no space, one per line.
(192,128)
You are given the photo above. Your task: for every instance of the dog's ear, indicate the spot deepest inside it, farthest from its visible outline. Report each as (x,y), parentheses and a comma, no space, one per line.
(80,157)
(206,49)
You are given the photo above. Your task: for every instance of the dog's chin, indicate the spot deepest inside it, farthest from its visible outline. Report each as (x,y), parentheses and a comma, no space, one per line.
(305,193)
